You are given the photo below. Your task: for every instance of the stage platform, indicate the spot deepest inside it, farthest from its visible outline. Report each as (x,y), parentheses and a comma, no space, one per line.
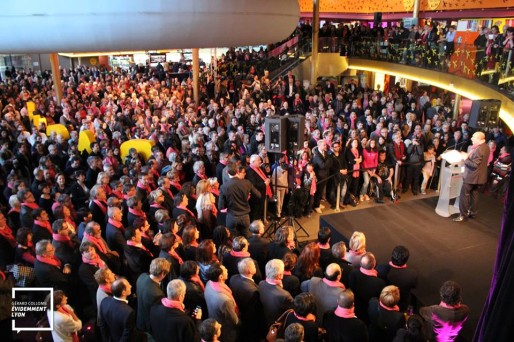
(440,248)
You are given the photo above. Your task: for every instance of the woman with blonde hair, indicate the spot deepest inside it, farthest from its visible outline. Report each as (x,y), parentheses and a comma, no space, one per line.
(206,208)
(384,315)
(357,246)
(103,179)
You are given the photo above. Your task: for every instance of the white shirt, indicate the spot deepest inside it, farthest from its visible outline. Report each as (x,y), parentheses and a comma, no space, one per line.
(64,326)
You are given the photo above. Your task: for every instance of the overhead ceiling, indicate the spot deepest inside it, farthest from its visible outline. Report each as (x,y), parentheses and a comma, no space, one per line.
(118,25)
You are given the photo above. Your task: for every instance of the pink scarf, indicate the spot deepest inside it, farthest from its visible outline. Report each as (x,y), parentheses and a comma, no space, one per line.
(333,283)
(394,308)
(144,187)
(196,279)
(98,242)
(240,254)
(313,187)
(264,178)
(371,273)
(137,212)
(138,245)
(447,306)
(345,313)
(221,287)
(32,206)
(186,209)
(355,166)
(396,266)
(97,262)
(309,318)
(44,224)
(275,282)
(175,256)
(324,246)
(106,288)
(101,205)
(173,304)
(63,238)
(6,232)
(50,261)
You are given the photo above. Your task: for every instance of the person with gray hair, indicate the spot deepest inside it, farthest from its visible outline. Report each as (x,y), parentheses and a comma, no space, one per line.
(239,252)
(199,170)
(169,321)
(149,291)
(294,333)
(246,294)
(274,298)
(366,284)
(49,270)
(339,257)
(325,290)
(258,244)
(342,324)
(258,178)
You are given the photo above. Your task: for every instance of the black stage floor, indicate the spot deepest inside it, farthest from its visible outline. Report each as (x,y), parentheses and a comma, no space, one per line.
(440,248)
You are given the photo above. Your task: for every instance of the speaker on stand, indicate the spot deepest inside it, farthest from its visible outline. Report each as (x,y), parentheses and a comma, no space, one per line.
(484,114)
(276,133)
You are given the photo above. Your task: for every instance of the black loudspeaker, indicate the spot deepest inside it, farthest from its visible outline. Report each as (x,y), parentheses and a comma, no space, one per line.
(295,132)
(276,133)
(377,19)
(484,114)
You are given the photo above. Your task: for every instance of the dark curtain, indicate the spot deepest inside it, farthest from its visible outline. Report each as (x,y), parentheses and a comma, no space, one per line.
(496,320)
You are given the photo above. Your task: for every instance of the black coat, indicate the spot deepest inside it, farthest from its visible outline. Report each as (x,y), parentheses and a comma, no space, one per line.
(258,248)
(383,323)
(275,300)
(51,276)
(365,287)
(172,325)
(87,277)
(117,322)
(138,261)
(344,329)
(149,293)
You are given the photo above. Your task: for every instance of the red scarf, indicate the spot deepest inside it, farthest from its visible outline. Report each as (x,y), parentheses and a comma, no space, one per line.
(32,206)
(399,150)
(175,256)
(98,242)
(310,317)
(107,189)
(173,304)
(97,262)
(169,192)
(448,306)
(324,246)
(6,232)
(314,186)
(371,273)
(264,178)
(107,288)
(63,238)
(16,210)
(176,185)
(137,212)
(138,245)
(355,166)
(240,254)
(196,279)
(116,224)
(394,308)
(50,261)
(118,194)
(156,205)
(216,192)
(178,237)
(396,266)
(288,273)
(221,287)
(44,224)
(101,205)
(345,313)
(65,311)
(333,283)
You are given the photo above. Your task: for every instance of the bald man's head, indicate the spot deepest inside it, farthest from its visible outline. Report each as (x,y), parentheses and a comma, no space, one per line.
(478,138)
(333,272)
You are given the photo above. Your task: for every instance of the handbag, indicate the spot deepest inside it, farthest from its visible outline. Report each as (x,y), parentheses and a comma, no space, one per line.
(277,327)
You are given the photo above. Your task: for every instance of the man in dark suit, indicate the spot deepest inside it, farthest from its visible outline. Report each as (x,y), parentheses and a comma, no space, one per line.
(234,197)
(475,175)
(117,320)
(258,245)
(168,320)
(366,285)
(49,270)
(66,246)
(149,291)
(91,262)
(137,256)
(261,182)
(275,300)
(164,185)
(246,295)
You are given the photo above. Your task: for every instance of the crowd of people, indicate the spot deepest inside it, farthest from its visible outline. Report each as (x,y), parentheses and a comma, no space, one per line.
(183,229)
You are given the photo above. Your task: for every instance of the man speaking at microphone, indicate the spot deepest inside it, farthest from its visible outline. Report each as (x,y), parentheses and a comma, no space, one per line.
(475,175)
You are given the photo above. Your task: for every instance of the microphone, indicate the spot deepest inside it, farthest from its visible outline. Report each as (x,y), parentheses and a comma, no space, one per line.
(454,147)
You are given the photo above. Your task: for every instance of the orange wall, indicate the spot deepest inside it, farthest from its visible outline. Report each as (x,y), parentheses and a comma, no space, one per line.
(370,6)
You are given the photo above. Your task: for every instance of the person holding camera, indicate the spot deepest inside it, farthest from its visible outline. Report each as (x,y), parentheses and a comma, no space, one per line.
(415,152)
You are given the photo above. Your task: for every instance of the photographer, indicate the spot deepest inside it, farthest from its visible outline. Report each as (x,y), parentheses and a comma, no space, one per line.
(414,158)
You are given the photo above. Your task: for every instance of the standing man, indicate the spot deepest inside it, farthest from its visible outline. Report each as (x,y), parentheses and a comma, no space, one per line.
(322,166)
(475,175)
(258,178)
(234,195)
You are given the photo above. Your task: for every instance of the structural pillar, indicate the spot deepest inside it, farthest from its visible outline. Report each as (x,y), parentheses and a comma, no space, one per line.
(196,75)
(315,42)
(415,11)
(456,106)
(56,76)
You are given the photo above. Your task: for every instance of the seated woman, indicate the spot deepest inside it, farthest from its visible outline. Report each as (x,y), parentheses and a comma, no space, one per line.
(357,246)
(308,263)
(304,313)
(384,315)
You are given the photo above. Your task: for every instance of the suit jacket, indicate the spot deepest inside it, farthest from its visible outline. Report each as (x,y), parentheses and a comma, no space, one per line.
(26,218)
(405,278)
(221,308)
(87,276)
(344,329)
(39,233)
(138,261)
(383,323)
(118,322)
(246,294)
(275,301)
(172,325)
(51,276)
(98,215)
(324,295)
(68,254)
(258,248)
(365,287)
(476,165)
(115,239)
(231,262)
(148,294)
